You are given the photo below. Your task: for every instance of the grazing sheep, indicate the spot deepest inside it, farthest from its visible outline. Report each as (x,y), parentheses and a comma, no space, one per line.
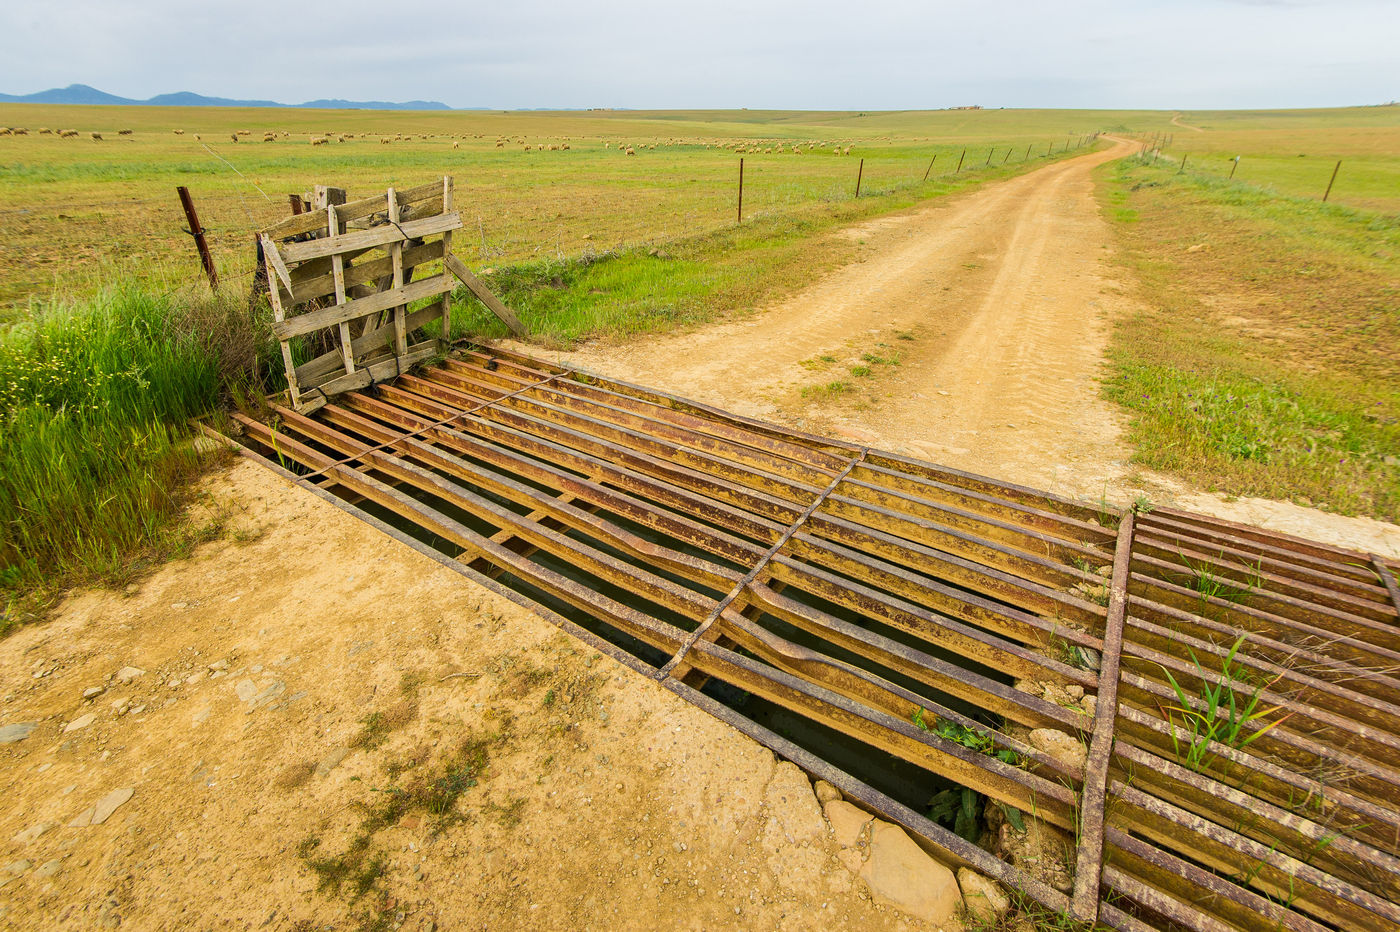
(384,142)
(270,137)
(179,132)
(123,132)
(340,139)
(6,131)
(196,137)
(456,145)
(45,131)
(500,144)
(631,151)
(233,136)
(607,145)
(244,132)
(97,136)
(564,146)
(21,131)
(68,134)
(318,140)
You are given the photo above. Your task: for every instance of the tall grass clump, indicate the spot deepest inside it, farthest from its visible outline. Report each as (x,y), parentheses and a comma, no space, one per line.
(94,451)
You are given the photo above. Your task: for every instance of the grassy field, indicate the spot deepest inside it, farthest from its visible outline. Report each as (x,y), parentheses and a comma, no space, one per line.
(1266,362)
(1295,151)
(81,212)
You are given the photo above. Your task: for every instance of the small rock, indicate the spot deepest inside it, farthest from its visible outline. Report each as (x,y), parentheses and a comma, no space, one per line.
(847,822)
(32,833)
(246,690)
(900,874)
(120,705)
(17,867)
(826,792)
(81,722)
(851,859)
(16,732)
(127,674)
(1060,746)
(1090,705)
(1074,691)
(110,803)
(92,692)
(1090,657)
(983,898)
(138,709)
(218,665)
(331,761)
(83,818)
(49,868)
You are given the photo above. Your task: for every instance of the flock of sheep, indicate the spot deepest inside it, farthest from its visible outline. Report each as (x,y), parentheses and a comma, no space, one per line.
(743,146)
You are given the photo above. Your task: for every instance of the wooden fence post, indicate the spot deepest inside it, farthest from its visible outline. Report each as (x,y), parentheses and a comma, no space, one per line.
(989,156)
(930,165)
(298,205)
(960,161)
(1232,169)
(741,191)
(859,172)
(197,232)
(1183,165)
(1328,192)
(1028,153)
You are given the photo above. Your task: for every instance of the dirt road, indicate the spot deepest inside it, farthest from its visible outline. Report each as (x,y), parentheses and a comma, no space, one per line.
(995,305)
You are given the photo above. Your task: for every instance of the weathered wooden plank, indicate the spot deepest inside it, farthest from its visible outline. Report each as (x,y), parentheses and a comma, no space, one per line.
(493,303)
(376,372)
(330,316)
(381,338)
(323,283)
(377,236)
(352,210)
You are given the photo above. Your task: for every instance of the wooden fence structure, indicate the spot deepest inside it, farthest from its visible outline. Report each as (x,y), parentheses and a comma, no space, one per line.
(340,275)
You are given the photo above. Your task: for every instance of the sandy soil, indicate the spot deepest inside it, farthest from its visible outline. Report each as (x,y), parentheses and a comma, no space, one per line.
(605,801)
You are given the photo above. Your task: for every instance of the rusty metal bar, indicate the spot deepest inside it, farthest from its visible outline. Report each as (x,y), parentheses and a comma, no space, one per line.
(1388,578)
(1085,900)
(758,567)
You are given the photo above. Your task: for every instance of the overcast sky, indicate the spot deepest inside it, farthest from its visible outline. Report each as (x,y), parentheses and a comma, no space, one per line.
(858,54)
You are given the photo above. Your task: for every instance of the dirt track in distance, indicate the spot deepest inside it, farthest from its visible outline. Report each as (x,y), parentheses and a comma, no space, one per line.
(998,306)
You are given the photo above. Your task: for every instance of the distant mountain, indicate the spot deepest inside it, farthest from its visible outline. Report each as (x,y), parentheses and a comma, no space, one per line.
(83,94)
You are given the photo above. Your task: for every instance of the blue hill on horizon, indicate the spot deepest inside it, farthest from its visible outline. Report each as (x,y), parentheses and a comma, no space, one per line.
(83,94)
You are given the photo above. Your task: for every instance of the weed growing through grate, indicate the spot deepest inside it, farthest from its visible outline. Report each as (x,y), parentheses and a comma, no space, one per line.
(958,807)
(1222,717)
(1208,584)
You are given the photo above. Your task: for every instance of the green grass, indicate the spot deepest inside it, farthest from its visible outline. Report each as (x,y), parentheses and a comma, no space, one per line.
(1263,361)
(94,447)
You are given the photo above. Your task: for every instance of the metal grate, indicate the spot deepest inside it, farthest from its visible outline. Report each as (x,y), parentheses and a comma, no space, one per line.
(901,604)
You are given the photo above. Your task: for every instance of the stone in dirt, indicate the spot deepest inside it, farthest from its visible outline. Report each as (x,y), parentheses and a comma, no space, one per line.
(331,761)
(80,722)
(127,674)
(1060,746)
(49,868)
(110,803)
(900,874)
(32,833)
(847,822)
(246,690)
(16,732)
(92,692)
(826,792)
(983,898)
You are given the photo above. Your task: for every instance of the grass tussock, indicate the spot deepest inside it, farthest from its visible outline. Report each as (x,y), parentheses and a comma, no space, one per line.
(94,446)
(1264,361)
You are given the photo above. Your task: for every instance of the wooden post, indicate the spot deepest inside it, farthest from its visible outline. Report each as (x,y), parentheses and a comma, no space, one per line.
(1048,149)
(930,165)
(197,232)
(1232,169)
(259,273)
(1328,192)
(989,156)
(1028,153)
(859,172)
(741,191)
(960,161)
(1183,165)
(1006,156)
(298,205)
